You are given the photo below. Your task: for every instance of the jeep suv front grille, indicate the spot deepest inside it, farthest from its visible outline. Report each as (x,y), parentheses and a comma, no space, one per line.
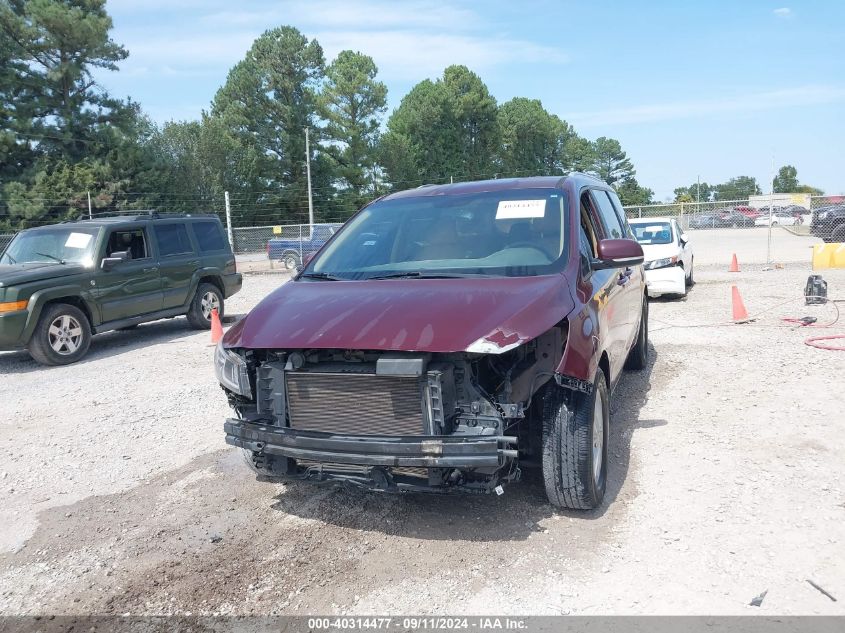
(354,404)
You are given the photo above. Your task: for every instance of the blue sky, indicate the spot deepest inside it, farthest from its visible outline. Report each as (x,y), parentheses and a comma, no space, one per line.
(710,88)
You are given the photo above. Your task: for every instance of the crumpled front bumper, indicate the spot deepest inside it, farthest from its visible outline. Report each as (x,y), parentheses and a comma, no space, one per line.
(666,281)
(421,451)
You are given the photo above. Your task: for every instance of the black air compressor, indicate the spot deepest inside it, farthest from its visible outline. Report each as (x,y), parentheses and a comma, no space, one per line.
(815,292)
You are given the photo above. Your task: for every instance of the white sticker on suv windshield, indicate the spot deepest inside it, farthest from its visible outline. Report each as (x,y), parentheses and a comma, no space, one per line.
(513,209)
(78,240)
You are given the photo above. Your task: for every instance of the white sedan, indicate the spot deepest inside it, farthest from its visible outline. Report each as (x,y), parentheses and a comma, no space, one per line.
(668,255)
(778,218)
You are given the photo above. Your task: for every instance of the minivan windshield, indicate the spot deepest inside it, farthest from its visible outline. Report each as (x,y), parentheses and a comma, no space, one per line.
(652,232)
(508,233)
(57,245)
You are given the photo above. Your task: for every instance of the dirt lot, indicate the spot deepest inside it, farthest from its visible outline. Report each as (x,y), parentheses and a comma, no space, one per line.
(119,495)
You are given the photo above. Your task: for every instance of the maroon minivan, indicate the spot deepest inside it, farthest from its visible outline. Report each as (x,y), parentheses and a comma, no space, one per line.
(444,336)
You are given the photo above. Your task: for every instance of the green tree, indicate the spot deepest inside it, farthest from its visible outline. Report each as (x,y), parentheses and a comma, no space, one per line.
(474,113)
(353,103)
(787,180)
(695,192)
(442,129)
(579,155)
(739,188)
(268,100)
(50,98)
(611,163)
(533,141)
(630,192)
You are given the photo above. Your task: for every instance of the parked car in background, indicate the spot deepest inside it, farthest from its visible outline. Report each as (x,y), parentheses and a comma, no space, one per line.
(706,221)
(828,223)
(447,337)
(778,218)
(61,284)
(301,242)
(723,218)
(750,212)
(668,255)
(735,219)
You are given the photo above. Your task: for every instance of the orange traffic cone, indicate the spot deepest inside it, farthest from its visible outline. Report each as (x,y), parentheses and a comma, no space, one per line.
(739,311)
(216,327)
(734,265)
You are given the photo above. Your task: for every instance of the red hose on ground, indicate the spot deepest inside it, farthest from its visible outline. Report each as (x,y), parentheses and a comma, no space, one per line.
(814,341)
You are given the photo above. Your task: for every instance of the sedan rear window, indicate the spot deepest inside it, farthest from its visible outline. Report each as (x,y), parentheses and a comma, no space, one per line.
(497,233)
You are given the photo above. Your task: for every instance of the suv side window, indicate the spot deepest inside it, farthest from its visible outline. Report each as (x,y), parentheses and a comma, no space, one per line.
(610,220)
(209,236)
(172,239)
(133,241)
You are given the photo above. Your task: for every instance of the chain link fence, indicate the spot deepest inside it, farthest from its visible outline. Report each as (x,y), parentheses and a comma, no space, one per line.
(5,238)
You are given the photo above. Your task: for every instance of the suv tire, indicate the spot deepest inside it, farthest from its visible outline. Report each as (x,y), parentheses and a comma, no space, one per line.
(638,356)
(207,297)
(575,445)
(838,234)
(62,335)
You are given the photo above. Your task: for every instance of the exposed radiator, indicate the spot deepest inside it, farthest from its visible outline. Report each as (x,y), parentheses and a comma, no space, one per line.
(356,404)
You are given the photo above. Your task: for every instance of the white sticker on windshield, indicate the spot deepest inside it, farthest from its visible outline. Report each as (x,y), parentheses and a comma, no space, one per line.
(78,240)
(513,209)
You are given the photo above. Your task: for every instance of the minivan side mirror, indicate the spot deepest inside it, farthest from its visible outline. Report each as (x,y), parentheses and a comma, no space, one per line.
(618,253)
(114,259)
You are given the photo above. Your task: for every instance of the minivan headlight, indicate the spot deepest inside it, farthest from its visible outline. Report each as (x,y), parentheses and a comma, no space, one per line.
(232,371)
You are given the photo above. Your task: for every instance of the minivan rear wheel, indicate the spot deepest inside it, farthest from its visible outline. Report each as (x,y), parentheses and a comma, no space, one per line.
(576,428)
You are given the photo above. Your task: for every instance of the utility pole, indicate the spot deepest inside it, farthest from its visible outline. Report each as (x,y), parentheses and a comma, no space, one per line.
(229,221)
(771,204)
(308,173)
(90,216)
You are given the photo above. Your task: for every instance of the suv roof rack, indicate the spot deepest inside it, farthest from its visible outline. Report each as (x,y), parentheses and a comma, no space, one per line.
(148,214)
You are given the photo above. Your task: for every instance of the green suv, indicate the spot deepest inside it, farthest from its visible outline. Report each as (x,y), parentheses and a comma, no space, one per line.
(61,284)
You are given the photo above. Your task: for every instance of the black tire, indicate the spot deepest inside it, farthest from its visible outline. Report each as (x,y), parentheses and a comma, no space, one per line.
(570,473)
(838,234)
(690,281)
(199,316)
(638,356)
(268,466)
(62,335)
(291,260)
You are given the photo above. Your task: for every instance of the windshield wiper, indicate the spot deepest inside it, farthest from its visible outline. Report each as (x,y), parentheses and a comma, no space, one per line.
(11,259)
(322,276)
(53,257)
(416,274)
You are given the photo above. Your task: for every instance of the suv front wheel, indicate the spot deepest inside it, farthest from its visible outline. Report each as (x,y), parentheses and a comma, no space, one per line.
(575,437)
(207,298)
(62,335)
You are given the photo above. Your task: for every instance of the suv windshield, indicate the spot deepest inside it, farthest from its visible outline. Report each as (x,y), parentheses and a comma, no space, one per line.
(652,232)
(510,233)
(60,244)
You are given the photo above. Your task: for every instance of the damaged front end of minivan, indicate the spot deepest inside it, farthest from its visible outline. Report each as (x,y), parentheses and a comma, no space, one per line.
(391,420)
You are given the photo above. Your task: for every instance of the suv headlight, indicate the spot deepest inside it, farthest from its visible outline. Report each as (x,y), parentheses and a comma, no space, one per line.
(231,371)
(822,215)
(661,263)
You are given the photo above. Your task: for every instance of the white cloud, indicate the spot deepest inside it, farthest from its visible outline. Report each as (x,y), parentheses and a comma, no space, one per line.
(673,110)
(783,12)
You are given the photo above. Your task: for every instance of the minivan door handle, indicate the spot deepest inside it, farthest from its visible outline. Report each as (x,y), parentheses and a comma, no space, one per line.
(625,276)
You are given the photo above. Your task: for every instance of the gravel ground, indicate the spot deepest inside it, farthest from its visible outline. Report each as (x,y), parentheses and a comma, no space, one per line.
(119,495)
